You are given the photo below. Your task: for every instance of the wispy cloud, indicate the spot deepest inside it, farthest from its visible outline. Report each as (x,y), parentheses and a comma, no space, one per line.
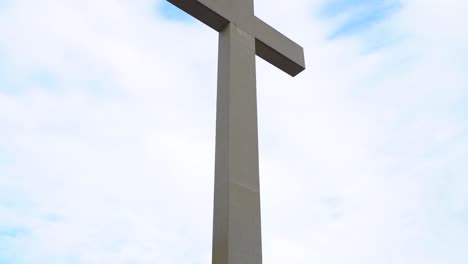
(367,18)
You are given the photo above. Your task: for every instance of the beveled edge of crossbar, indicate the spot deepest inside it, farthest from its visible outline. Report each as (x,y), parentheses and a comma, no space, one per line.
(205,11)
(278,49)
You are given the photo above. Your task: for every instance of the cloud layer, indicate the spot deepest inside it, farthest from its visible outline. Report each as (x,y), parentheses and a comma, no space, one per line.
(107,114)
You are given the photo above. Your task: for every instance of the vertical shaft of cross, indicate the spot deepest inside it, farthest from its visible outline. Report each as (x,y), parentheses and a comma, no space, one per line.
(236,223)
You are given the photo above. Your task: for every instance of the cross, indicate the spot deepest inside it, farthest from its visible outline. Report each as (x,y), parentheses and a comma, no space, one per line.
(236,217)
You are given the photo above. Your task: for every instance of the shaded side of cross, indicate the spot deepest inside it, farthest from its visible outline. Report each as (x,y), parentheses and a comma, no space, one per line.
(236,216)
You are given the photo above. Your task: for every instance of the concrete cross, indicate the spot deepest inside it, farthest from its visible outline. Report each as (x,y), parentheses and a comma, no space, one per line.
(236,223)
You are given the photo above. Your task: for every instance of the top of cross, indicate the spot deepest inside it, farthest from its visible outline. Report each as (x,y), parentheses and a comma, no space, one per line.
(270,44)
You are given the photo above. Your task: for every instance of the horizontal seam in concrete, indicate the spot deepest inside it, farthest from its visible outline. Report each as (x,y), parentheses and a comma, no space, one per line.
(244,186)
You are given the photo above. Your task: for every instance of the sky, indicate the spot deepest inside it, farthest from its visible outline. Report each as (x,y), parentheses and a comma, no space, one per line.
(107,128)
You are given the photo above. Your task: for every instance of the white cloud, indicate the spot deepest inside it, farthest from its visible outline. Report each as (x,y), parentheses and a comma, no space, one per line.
(362,156)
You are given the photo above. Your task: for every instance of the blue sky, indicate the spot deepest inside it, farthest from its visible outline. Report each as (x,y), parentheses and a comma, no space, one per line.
(107,134)
(362,14)
(171,12)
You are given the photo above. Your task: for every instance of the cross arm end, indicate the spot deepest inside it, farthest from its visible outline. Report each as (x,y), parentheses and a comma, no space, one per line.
(277,49)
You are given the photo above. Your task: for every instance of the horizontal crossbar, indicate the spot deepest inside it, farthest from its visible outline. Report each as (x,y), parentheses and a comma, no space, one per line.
(270,44)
